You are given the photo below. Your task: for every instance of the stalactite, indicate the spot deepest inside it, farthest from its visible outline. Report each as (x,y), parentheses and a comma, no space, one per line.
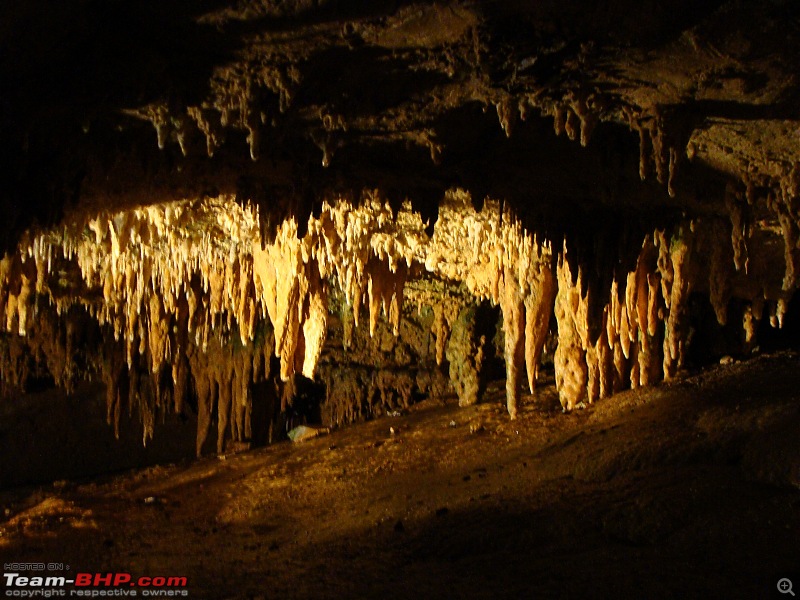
(657,145)
(750,320)
(314,326)
(720,269)
(674,265)
(583,105)
(507,113)
(512,305)
(205,120)
(791,242)
(739,226)
(538,308)
(570,356)
(626,350)
(560,119)
(572,125)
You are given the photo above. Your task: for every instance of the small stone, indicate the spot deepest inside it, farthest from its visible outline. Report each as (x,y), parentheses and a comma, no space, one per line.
(727,360)
(150,500)
(452,424)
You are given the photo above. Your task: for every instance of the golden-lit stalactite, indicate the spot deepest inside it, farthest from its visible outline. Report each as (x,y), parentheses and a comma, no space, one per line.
(571,309)
(191,303)
(644,333)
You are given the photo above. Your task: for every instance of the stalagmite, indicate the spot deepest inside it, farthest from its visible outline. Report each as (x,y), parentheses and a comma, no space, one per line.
(465,353)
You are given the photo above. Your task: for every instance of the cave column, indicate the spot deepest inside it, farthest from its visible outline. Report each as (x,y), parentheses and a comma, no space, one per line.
(465,354)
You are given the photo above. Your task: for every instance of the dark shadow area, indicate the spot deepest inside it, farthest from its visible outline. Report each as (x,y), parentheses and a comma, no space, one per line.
(772,339)
(265,413)
(710,341)
(303,407)
(67,68)
(648,23)
(362,81)
(53,436)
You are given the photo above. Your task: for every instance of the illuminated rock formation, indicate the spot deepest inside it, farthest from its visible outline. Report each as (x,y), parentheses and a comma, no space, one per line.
(180,292)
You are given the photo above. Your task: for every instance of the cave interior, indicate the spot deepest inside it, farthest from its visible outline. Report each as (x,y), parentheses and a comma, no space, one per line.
(224,219)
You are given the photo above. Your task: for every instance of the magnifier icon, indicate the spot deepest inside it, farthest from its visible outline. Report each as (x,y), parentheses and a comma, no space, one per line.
(785,586)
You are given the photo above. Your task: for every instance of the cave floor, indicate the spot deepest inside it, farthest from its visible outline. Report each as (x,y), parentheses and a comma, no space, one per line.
(689,489)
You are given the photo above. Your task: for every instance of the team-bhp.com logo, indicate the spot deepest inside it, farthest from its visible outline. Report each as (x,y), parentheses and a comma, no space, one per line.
(94,585)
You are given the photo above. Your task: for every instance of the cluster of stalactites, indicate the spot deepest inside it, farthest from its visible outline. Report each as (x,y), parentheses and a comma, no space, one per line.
(644,331)
(200,267)
(239,104)
(625,350)
(663,142)
(169,280)
(778,189)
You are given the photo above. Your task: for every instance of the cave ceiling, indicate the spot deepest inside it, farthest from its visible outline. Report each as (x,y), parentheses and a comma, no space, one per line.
(410,97)
(600,161)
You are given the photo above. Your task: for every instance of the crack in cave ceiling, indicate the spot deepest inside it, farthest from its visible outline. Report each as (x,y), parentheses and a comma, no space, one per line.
(191,189)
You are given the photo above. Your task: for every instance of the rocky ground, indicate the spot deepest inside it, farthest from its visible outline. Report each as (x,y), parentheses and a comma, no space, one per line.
(689,489)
